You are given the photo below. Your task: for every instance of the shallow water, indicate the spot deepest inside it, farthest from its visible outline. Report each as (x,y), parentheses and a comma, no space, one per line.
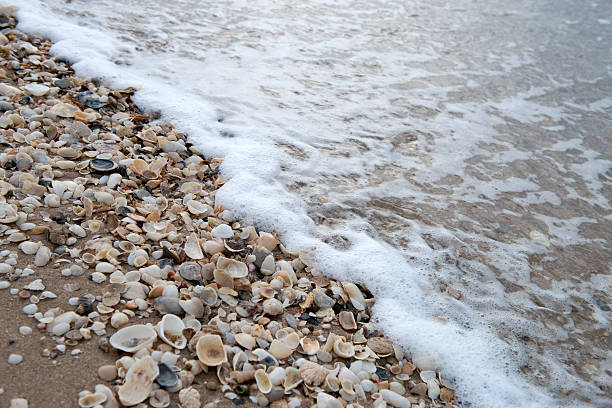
(454,158)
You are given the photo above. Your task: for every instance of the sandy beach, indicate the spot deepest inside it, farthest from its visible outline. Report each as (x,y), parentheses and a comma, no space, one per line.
(109,224)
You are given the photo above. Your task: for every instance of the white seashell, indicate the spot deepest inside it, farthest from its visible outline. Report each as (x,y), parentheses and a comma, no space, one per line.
(193,306)
(276,376)
(222,231)
(347,320)
(29,247)
(327,401)
(395,399)
(35,285)
(354,294)
(263,381)
(267,241)
(433,389)
(170,330)
(235,268)
(118,319)
(133,338)
(159,399)
(312,373)
(192,247)
(138,381)
(273,307)
(214,247)
(268,266)
(199,208)
(245,340)
(110,402)
(210,350)
(279,349)
(42,257)
(105,267)
(344,349)
(209,296)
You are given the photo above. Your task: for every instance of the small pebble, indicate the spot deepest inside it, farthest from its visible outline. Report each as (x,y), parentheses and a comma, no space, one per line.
(15,359)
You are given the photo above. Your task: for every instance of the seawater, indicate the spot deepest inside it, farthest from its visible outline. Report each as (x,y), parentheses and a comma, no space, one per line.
(454,157)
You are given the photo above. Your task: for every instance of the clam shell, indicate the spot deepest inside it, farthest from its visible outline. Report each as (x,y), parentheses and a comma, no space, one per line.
(102,165)
(138,381)
(344,349)
(190,271)
(263,381)
(381,346)
(309,346)
(347,320)
(210,350)
(166,378)
(209,296)
(280,349)
(170,330)
(327,401)
(193,306)
(133,338)
(292,379)
(277,375)
(245,340)
(235,268)
(273,307)
(91,399)
(267,241)
(159,399)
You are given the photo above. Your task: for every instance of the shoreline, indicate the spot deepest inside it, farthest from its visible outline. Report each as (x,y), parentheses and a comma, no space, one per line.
(96,189)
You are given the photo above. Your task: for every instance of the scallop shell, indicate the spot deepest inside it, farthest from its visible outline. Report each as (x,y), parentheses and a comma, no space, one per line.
(344,349)
(138,381)
(235,268)
(309,346)
(263,381)
(133,338)
(355,295)
(210,350)
(313,374)
(170,330)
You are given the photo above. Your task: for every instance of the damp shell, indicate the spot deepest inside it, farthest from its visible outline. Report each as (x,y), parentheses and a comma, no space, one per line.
(210,350)
(102,165)
(170,330)
(354,294)
(133,338)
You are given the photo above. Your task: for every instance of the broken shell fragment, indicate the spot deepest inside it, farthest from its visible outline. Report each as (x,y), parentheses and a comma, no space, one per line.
(263,382)
(170,330)
(235,268)
(344,349)
(347,320)
(354,294)
(192,247)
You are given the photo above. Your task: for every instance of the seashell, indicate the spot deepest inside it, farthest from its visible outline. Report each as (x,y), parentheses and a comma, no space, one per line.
(209,296)
(199,208)
(159,399)
(394,399)
(89,399)
(222,231)
(8,213)
(139,166)
(312,374)
(344,349)
(264,357)
(381,346)
(245,340)
(309,346)
(267,241)
(170,330)
(133,338)
(102,165)
(272,307)
(213,247)
(29,247)
(110,402)
(280,349)
(190,271)
(119,319)
(166,377)
(235,268)
(43,256)
(347,390)
(331,383)
(189,398)
(192,247)
(263,381)
(193,306)
(347,320)
(289,337)
(268,266)
(138,381)
(210,350)
(223,278)
(327,401)
(276,376)
(355,295)
(293,378)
